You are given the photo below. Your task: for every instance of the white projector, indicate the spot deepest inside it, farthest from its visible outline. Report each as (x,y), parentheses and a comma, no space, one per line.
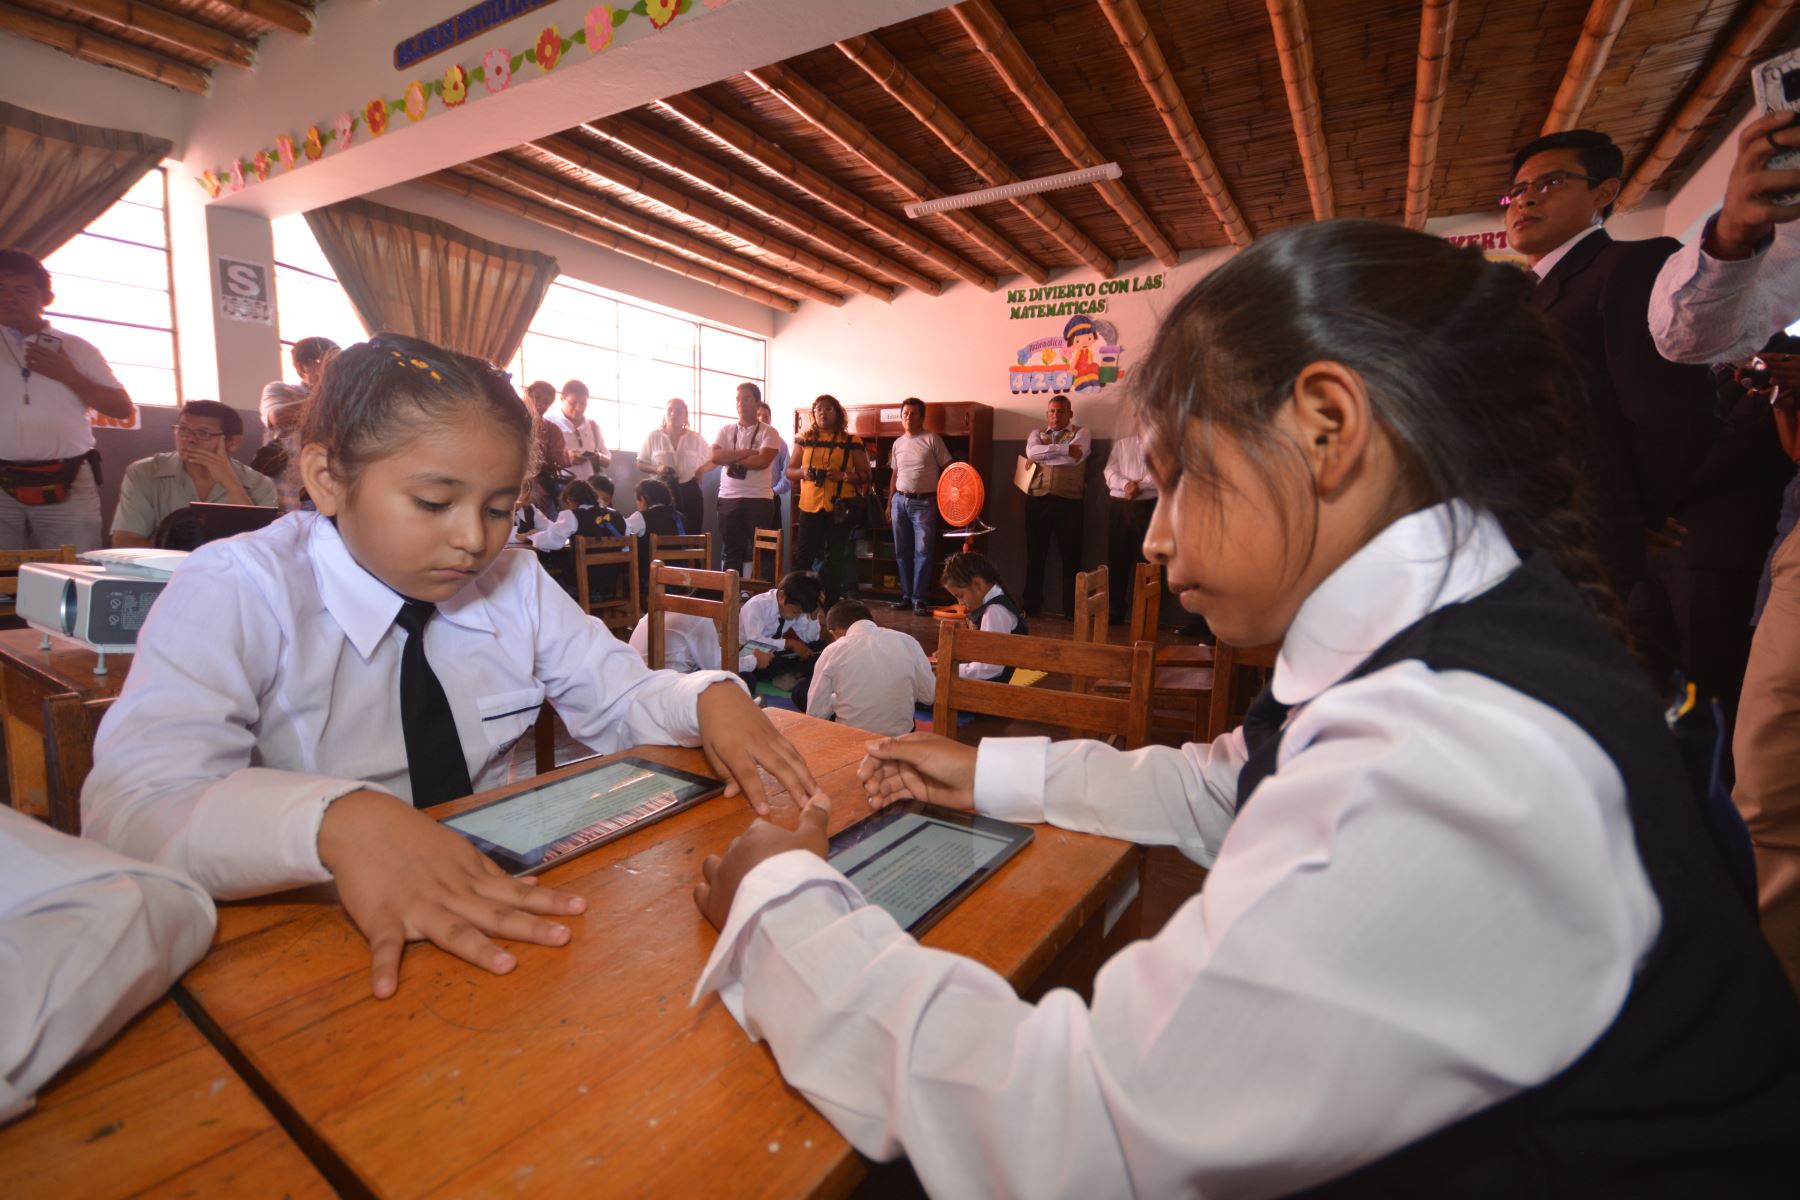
(88,603)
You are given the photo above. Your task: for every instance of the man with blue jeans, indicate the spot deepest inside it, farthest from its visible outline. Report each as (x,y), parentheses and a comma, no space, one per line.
(917,460)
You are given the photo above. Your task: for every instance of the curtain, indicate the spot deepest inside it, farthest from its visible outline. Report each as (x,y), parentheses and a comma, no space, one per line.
(414,275)
(56,176)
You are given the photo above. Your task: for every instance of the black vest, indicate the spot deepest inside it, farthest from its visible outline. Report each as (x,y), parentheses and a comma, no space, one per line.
(1694,1090)
(1004,601)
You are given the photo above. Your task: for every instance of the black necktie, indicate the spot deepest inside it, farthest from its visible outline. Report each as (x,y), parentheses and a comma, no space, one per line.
(1263,721)
(434,756)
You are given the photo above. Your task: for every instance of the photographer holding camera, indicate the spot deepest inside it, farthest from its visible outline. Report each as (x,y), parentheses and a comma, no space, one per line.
(831,467)
(746,449)
(49,486)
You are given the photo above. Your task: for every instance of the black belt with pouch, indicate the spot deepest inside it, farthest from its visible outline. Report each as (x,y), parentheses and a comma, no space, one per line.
(47,482)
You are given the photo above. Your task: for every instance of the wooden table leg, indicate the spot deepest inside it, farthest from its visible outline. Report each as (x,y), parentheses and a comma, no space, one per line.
(21,703)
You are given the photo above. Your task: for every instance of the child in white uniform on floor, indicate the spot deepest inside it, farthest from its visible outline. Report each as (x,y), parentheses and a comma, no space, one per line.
(280,721)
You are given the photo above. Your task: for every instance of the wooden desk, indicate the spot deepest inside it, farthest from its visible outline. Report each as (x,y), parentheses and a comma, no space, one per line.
(585,1072)
(27,675)
(156,1113)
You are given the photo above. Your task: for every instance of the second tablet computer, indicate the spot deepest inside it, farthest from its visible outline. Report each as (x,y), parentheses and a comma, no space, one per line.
(918,862)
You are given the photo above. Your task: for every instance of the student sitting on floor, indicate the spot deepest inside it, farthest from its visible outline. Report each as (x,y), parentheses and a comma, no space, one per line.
(299,691)
(975,582)
(690,643)
(88,938)
(1465,933)
(868,676)
(786,616)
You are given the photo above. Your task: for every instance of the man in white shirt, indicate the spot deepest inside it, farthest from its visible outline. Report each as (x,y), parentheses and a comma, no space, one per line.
(88,938)
(868,676)
(746,450)
(1053,508)
(201,467)
(49,382)
(917,458)
(1133,495)
(582,440)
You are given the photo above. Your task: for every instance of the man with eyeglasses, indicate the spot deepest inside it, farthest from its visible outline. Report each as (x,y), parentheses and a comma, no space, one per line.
(200,467)
(1643,422)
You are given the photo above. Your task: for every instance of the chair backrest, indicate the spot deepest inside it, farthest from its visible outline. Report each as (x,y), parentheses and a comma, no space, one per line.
(1124,716)
(624,606)
(1239,672)
(723,612)
(1093,604)
(12,560)
(69,726)
(682,549)
(1146,602)
(773,544)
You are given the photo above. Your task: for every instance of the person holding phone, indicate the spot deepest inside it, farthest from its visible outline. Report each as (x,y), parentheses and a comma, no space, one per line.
(50,383)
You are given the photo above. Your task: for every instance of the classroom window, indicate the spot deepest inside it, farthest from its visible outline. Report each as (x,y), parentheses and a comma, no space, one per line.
(112,288)
(309,301)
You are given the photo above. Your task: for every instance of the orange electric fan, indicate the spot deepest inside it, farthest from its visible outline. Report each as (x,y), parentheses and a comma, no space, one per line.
(960,495)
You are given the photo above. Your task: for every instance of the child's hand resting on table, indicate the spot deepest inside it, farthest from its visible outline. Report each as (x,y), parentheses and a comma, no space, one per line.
(738,737)
(721,875)
(403,878)
(919,766)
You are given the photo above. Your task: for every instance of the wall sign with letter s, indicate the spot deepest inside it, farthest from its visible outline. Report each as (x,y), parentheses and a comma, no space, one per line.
(244,291)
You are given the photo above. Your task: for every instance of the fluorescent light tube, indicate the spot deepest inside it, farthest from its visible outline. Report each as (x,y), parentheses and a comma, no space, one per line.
(1009,191)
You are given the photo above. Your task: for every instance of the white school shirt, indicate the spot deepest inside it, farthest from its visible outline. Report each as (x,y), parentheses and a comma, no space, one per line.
(917,460)
(690,643)
(1052,448)
(760,619)
(55,423)
(1126,463)
(684,454)
(871,678)
(997,619)
(267,684)
(755,483)
(1706,310)
(1436,904)
(578,436)
(88,938)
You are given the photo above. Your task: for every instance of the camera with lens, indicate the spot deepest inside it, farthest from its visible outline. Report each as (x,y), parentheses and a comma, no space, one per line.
(1756,377)
(815,475)
(737,471)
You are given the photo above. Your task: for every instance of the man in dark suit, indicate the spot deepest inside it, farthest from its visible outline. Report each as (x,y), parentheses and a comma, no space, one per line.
(1642,423)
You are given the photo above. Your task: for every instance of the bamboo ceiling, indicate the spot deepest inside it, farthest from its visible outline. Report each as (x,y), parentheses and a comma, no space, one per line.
(177,42)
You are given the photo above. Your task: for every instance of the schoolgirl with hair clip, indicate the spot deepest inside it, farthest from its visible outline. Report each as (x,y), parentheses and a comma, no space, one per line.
(300,692)
(1464,933)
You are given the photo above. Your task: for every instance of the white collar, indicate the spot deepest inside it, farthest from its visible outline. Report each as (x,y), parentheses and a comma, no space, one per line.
(364,607)
(862,628)
(1411,568)
(1546,263)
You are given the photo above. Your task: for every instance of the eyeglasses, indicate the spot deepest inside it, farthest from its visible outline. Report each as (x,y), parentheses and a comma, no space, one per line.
(1541,185)
(196,435)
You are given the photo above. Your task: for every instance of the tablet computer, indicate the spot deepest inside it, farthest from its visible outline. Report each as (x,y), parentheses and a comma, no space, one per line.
(533,829)
(765,646)
(918,862)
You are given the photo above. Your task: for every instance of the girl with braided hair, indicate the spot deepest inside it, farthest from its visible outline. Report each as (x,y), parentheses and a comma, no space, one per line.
(1464,933)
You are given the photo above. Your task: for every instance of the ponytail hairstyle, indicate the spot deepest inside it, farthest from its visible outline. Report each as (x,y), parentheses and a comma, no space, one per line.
(378,395)
(1463,377)
(962,570)
(654,492)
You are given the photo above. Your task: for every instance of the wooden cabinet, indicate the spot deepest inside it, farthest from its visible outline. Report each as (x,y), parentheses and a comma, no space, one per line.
(967,429)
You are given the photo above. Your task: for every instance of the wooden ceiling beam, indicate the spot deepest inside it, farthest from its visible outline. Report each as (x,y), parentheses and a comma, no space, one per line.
(280,14)
(562,194)
(216,44)
(1300,75)
(1748,42)
(1604,20)
(89,46)
(623,176)
(822,114)
(566,222)
(893,77)
(1146,55)
(991,35)
(670,154)
(741,139)
(1437,24)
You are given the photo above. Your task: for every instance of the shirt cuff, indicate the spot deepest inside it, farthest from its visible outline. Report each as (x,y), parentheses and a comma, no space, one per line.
(1009,778)
(257,831)
(1726,274)
(680,713)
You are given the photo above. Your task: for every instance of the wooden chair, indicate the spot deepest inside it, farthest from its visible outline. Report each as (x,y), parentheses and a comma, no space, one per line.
(693,550)
(1126,717)
(1093,603)
(1239,672)
(620,611)
(770,542)
(12,560)
(69,726)
(1184,673)
(723,612)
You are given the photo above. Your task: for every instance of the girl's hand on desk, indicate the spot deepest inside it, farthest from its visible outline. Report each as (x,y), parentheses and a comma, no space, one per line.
(738,737)
(404,877)
(720,876)
(919,766)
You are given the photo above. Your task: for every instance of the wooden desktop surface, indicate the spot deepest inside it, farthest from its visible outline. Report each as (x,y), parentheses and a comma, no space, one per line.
(29,674)
(585,1071)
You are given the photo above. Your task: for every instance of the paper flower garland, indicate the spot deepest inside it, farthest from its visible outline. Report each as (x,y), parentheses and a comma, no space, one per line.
(495,72)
